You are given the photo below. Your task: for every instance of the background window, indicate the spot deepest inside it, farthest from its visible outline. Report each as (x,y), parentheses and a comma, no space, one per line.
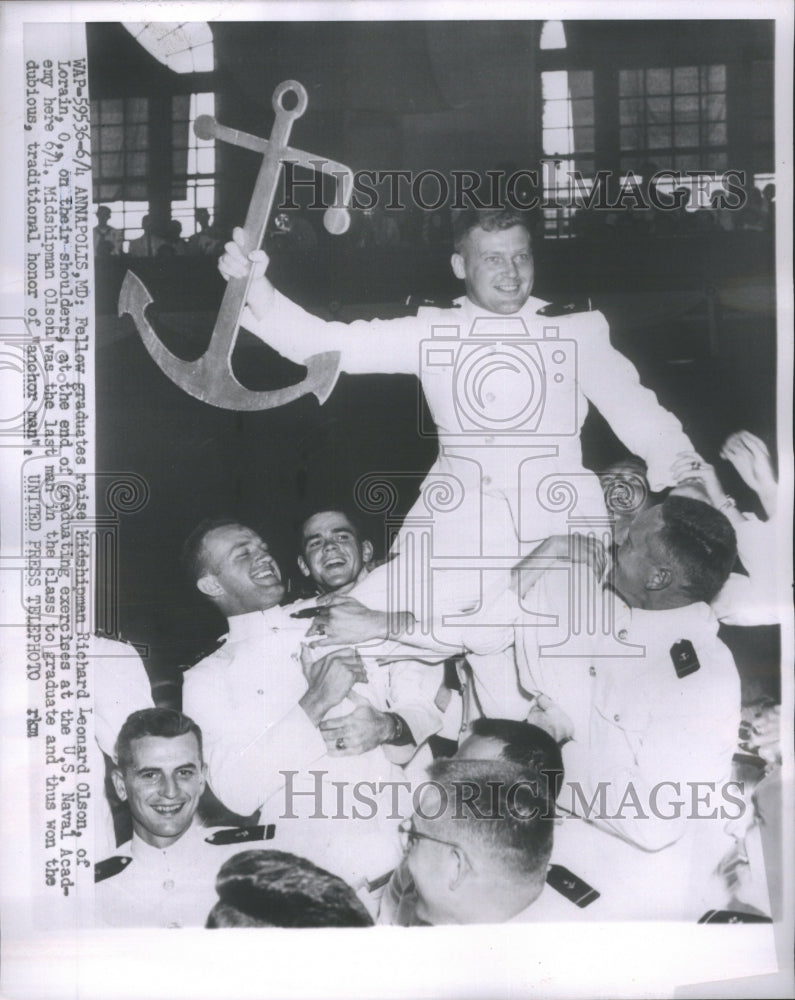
(121,160)
(567,137)
(193,161)
(675,117)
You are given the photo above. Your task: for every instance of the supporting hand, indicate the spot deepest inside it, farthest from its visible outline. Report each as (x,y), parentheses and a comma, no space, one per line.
(750,457)
(359,731)
(346,620)
(690,467)
(330,679)
(234,264)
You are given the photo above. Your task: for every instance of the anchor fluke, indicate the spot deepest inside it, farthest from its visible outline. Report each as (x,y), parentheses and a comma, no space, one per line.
(214,383)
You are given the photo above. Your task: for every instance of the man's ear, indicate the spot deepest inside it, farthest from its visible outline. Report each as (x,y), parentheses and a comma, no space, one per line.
(659,578)
(204,775)
(457,264)
(118,784)
(457,869)
(209,586)
(367,552)
(303,566)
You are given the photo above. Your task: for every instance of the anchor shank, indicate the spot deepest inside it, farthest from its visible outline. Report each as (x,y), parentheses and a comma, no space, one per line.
(211,129)
(227,323)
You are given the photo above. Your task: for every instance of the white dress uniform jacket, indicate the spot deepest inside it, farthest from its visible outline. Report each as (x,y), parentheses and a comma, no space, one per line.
(164,887)
(262,751)
(508,395)
(592,876)
(639,726)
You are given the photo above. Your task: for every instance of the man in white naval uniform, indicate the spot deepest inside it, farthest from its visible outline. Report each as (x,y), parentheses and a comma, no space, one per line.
(649,716)
(507,379)
(336,556)
(121,686)
(646,698)
(750,599)
(260,701)
(591,875)
(476,850)
(515,743)
(165,875)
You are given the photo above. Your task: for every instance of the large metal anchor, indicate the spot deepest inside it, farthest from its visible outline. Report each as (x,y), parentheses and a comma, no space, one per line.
(210,378)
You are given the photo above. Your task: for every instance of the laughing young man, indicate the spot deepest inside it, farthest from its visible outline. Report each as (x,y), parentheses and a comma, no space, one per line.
(165,875)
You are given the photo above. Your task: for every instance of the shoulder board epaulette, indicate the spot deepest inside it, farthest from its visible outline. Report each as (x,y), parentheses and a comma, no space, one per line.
(421,302)
(241,835)
(110,867)
(733,917)
(684,658)
(565,309)
(373,884)
(575,889)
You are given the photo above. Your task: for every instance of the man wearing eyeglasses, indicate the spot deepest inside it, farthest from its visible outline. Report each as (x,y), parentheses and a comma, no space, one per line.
(477,849)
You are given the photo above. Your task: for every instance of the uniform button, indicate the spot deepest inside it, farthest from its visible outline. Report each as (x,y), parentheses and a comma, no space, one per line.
(274,628)
(168,884)
(592,671)
(260,691)
(616,717)
(623,634)
(490,397)
(489,440)
(486,480)
(173,923)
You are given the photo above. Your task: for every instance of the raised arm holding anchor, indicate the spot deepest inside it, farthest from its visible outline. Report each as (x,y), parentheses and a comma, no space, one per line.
(507,379)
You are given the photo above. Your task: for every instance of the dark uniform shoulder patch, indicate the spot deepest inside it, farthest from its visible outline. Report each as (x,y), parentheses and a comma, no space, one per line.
(684,658)
(373,884)
(241,835)
(110,867)
(565,309)
(733,917)
(575,889)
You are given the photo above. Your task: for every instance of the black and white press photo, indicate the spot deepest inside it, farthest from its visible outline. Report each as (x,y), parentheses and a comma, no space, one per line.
(397,519)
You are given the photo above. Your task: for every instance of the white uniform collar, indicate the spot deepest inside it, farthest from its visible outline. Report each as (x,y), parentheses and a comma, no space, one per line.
(141,851)
(693,621)
(249,625)
(532,305)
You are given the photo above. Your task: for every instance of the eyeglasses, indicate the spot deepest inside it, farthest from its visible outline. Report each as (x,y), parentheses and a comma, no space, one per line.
(409,835)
